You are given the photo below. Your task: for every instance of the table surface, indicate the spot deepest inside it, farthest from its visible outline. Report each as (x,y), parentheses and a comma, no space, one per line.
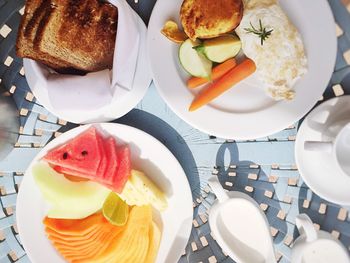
(263,168)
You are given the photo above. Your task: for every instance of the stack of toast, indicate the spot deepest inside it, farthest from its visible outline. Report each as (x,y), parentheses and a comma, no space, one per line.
(69,36)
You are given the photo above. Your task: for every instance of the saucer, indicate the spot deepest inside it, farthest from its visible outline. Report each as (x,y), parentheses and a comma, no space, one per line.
(318,169)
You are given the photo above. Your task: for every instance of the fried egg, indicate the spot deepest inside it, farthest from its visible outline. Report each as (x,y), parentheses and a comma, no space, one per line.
(280,59)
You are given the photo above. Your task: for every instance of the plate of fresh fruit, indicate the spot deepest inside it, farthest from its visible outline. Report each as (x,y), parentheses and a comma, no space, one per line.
(104,193)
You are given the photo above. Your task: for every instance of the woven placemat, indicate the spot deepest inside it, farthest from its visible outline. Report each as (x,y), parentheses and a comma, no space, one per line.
(256,167)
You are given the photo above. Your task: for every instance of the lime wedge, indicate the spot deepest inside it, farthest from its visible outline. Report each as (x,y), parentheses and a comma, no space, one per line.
(115,210)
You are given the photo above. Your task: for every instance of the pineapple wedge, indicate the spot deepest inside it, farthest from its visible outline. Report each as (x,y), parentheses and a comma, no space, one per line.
(140,190)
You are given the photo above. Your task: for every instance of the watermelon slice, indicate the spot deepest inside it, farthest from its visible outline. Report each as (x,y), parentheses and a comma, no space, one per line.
(76,172)
(104,159)
(124,169)
(91,156)
(81,154)
(111,151)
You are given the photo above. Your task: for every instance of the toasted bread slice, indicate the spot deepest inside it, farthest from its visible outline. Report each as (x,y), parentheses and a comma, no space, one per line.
(210,18)
(80,32)
(35,12)
(24,46)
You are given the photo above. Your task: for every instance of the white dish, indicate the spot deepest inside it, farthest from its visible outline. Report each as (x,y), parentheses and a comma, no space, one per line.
(246,112)
(148,155)
(317,168)
(117,108)
(316,245)
(239,226)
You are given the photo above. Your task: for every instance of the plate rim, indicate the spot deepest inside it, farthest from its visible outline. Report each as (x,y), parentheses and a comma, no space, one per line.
(185,230)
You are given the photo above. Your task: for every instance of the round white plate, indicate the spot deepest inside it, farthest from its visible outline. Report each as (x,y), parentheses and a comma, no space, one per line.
(149,156)
(246,112)
(117,108)
(318,169)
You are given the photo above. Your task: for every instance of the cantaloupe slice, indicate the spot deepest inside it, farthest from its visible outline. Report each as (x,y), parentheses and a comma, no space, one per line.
(129,241)
(141,244)
(100,248)
(90,246)
(155,236)
(76,227)
(88,250)
(137,241)
(139,250)
(77,236)
(133,248)
(81,251)
(77,253)
(64,245)
(69,238)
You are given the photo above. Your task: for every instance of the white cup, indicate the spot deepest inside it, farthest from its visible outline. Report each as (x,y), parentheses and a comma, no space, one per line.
(314,246)
(339,148)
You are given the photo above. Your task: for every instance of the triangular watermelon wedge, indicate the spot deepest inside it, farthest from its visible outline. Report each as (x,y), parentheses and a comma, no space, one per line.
(91,156)
(104,159)
(124,169)
(111,151)
(81,154)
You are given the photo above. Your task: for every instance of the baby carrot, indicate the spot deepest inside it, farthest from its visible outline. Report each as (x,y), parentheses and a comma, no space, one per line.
(217,73)
(235,75)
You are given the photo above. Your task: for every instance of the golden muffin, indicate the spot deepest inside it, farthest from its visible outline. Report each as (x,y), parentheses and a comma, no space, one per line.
(210,18)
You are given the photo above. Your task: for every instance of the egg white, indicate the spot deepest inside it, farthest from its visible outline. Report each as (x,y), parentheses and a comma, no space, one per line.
(281,60)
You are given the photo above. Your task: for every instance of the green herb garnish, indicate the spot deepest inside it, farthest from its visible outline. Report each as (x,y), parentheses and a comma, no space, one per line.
(262,32)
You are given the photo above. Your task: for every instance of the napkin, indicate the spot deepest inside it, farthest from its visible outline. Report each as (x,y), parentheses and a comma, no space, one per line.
(96,90)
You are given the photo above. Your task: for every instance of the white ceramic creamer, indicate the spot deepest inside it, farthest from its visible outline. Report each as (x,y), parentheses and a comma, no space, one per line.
(240,227)
(316,246)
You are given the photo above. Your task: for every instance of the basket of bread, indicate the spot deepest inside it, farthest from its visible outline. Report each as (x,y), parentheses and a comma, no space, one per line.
(82,57)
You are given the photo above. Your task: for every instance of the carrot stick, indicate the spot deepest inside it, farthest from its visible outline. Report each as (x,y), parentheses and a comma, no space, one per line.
(217,73)
(235,75)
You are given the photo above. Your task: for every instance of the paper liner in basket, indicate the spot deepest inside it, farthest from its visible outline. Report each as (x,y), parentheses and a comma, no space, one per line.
(97,89)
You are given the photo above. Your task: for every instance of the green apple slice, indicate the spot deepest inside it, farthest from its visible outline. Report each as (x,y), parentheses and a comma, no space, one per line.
(195,63)
(221,48)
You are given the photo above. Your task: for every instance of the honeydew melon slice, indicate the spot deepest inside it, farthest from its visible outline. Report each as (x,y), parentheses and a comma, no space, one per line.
(68,199)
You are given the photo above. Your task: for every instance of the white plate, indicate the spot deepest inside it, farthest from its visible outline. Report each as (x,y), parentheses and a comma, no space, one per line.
(245,112)
(117,108)
(148,155)
(318,169)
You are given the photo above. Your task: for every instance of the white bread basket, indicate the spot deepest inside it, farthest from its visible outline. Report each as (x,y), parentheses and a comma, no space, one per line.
(98,96)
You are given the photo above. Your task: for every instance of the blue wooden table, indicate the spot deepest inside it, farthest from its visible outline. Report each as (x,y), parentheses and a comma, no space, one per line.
(264,168)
